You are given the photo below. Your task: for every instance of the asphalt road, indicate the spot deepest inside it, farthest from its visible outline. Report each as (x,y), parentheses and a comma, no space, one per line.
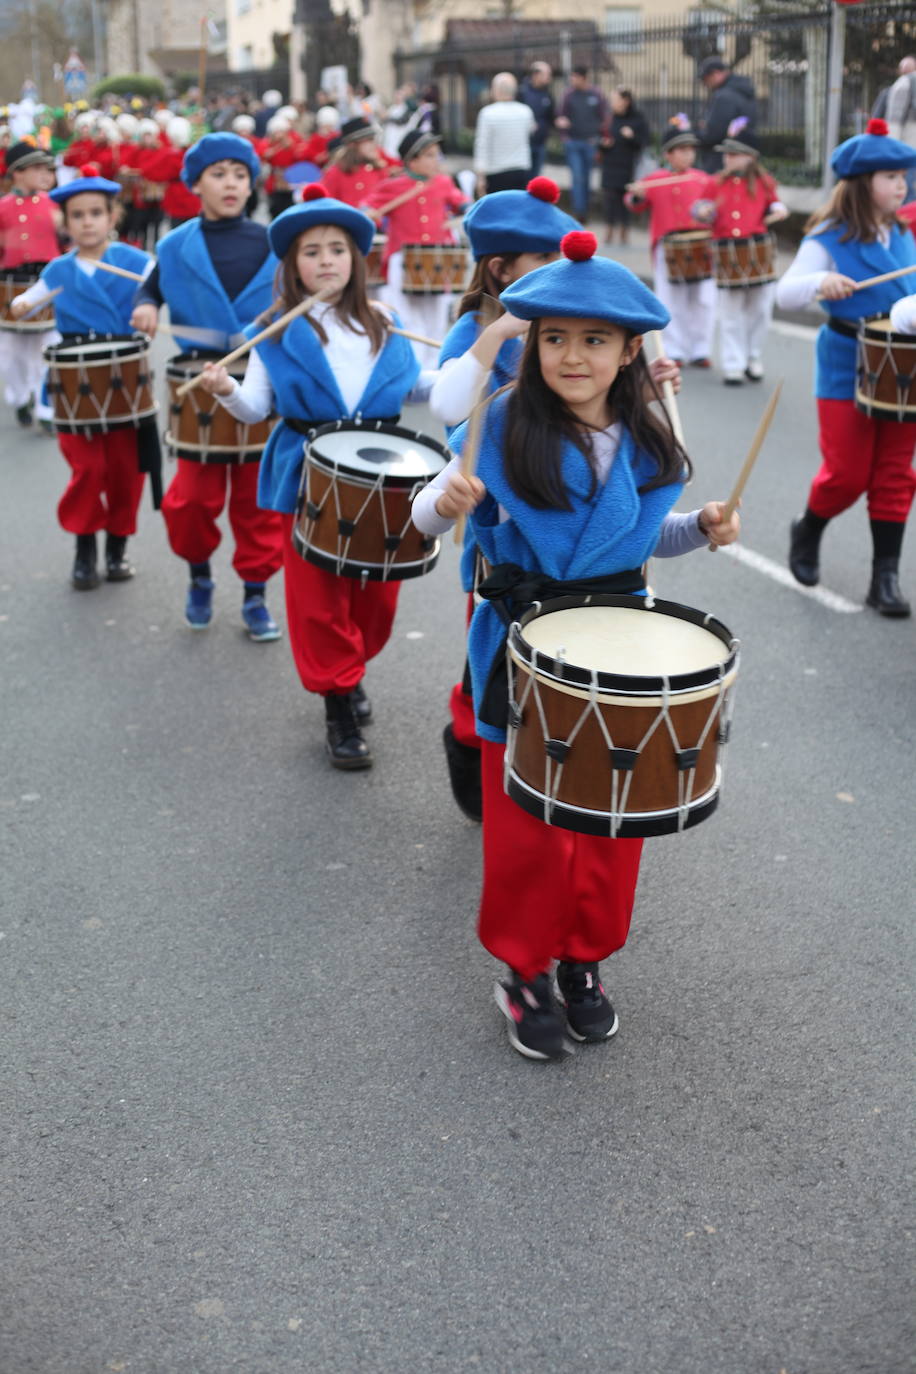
(259,1113)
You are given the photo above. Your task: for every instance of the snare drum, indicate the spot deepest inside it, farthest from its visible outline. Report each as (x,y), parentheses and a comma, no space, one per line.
(432,269)
(12,284)
(618,711)
(100,382)
(358,483)
(375,276)
(745,262)
(885,371)
(688,255)
(200,429)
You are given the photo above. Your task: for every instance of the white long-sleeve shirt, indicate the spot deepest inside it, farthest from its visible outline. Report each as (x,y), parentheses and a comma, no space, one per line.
(803,280)
(502,137)
(680,532)
(903,315)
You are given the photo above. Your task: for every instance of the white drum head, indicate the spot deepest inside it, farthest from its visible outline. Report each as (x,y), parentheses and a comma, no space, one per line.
(620,639)
(369,452)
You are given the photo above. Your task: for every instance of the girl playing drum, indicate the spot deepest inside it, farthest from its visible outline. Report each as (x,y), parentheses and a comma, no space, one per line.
(856,235)
(337,363)
(575,481)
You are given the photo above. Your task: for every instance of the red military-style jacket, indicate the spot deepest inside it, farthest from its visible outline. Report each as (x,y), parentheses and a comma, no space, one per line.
(422,219)
(28,230)
(669,206)
(739,213)
(355,187)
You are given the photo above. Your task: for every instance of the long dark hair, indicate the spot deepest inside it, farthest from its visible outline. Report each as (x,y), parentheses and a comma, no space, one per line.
(851,205)
(538,422)
(484,282)
(353,309)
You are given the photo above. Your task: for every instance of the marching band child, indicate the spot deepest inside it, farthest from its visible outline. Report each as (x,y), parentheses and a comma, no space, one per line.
(337,363)
(422,219)
(856,235)
(575,481)
(107,470)
(691,305)
(216,274)
(358,165)
(738,202)
(28,240)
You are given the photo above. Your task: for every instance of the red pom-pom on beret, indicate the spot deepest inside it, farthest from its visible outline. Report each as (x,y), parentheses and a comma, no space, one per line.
(543,188)
(877,126)
(579,246)
(314,192)
(90,169)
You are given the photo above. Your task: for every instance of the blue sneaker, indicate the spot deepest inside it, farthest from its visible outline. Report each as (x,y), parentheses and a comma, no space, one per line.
(198,609)
(258,620)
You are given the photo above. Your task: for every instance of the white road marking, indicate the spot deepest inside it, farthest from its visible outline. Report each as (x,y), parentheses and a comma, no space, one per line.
(794,331)
(832,600)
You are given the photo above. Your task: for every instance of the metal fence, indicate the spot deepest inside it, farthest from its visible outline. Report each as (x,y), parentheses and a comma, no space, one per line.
(784,52)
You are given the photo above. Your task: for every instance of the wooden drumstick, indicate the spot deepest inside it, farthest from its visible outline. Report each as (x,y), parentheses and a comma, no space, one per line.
(38,305)
(876,281)
(417,338)
(668,394)
(766,420)
(398,201)
(662,181)
(110,267)
(301,309)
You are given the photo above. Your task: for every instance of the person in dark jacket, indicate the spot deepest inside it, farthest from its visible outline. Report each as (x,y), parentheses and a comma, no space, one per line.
(621,143)
(732,97)
(535,92)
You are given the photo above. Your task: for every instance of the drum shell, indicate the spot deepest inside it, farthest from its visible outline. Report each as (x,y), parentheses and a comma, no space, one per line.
(433,269)
(745,262)
(375,275)
(688,256)
(584,795)
(201,430)
(12,284)
(885,372)
(93,391)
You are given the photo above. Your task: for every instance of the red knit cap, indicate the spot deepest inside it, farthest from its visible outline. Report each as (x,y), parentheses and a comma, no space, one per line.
(543,188)
(314,192)
(579,246)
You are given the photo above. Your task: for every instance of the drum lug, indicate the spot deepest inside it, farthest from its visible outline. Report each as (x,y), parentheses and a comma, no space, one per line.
(558,750)
(515,715)
(624,760)
(687,759)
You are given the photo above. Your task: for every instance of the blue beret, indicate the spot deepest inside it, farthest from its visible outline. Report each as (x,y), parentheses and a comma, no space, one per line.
(873,151)
(526,221)
(320,209)
(215,148)
(78,185)
(585,286)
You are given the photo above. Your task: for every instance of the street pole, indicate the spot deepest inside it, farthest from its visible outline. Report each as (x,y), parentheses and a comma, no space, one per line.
(202,63)
(100,70)
(834,90)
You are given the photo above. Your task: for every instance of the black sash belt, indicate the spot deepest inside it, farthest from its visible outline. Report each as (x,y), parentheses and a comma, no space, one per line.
(513,591)
(847,328)
(307,426)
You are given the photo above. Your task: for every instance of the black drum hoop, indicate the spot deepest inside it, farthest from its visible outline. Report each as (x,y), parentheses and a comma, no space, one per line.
(368,572)
(360,475)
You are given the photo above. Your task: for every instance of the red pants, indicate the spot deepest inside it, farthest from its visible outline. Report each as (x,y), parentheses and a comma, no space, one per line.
(461,705)
(861,455)
(335,624)
(548,893)
(195,500)
(105,484)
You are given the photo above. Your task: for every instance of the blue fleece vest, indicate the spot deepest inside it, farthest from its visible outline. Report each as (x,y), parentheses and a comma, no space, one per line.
(612,531)
(101,303)
(835,375)
(306,390)
(459,340)
(195,294)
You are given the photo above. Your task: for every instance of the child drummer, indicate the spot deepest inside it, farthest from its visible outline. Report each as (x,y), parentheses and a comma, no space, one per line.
(29,223)
(216,275)
(668,194)
(107,470)
(422,218)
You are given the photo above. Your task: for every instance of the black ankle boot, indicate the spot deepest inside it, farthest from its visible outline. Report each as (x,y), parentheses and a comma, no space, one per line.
(116,560)
(804,551)
(464,774)
(884,594)
(85,576)
(346,746)
(361,704)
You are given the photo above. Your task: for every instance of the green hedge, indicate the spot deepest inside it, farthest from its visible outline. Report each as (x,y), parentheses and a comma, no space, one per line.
(131,83)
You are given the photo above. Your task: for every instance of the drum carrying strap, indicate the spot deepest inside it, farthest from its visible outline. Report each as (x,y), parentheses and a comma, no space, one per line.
(845,327)
(149,456)
(512,591)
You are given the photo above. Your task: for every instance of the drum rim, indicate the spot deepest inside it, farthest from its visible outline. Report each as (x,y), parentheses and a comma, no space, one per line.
(693,235)
(332,465)
(371,571)
(885,335)
(621,825)
(174,370)
(57,353)
(570,674)
(747,238)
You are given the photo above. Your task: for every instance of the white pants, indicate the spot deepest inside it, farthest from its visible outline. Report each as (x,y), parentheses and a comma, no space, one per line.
(744,316)
(23,368)
(693,312)
(428,315)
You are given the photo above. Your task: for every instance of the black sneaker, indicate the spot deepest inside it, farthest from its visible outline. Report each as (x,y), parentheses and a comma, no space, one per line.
(25,415)
(361,704)
(534,1022)
(464,774)
(589,1014)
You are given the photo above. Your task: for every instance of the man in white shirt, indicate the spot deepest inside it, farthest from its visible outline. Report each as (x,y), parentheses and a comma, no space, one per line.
(502,139)
(901,113)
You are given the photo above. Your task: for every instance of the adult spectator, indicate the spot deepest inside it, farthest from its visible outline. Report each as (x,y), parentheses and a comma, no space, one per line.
(622,142)
(584,112)
(535,93)
(901,114)
(879,109)
(400,112)
(270,104)
(733,97)
(502,139)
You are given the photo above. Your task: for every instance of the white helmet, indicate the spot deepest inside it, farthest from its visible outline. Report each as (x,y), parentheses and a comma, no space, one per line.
(163,118)
(84,121)
(278,124)
(179,132)
(149,126)
(109,128)
(272,99)
(290,112)
(128,124)
(327,118)
(243,124)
